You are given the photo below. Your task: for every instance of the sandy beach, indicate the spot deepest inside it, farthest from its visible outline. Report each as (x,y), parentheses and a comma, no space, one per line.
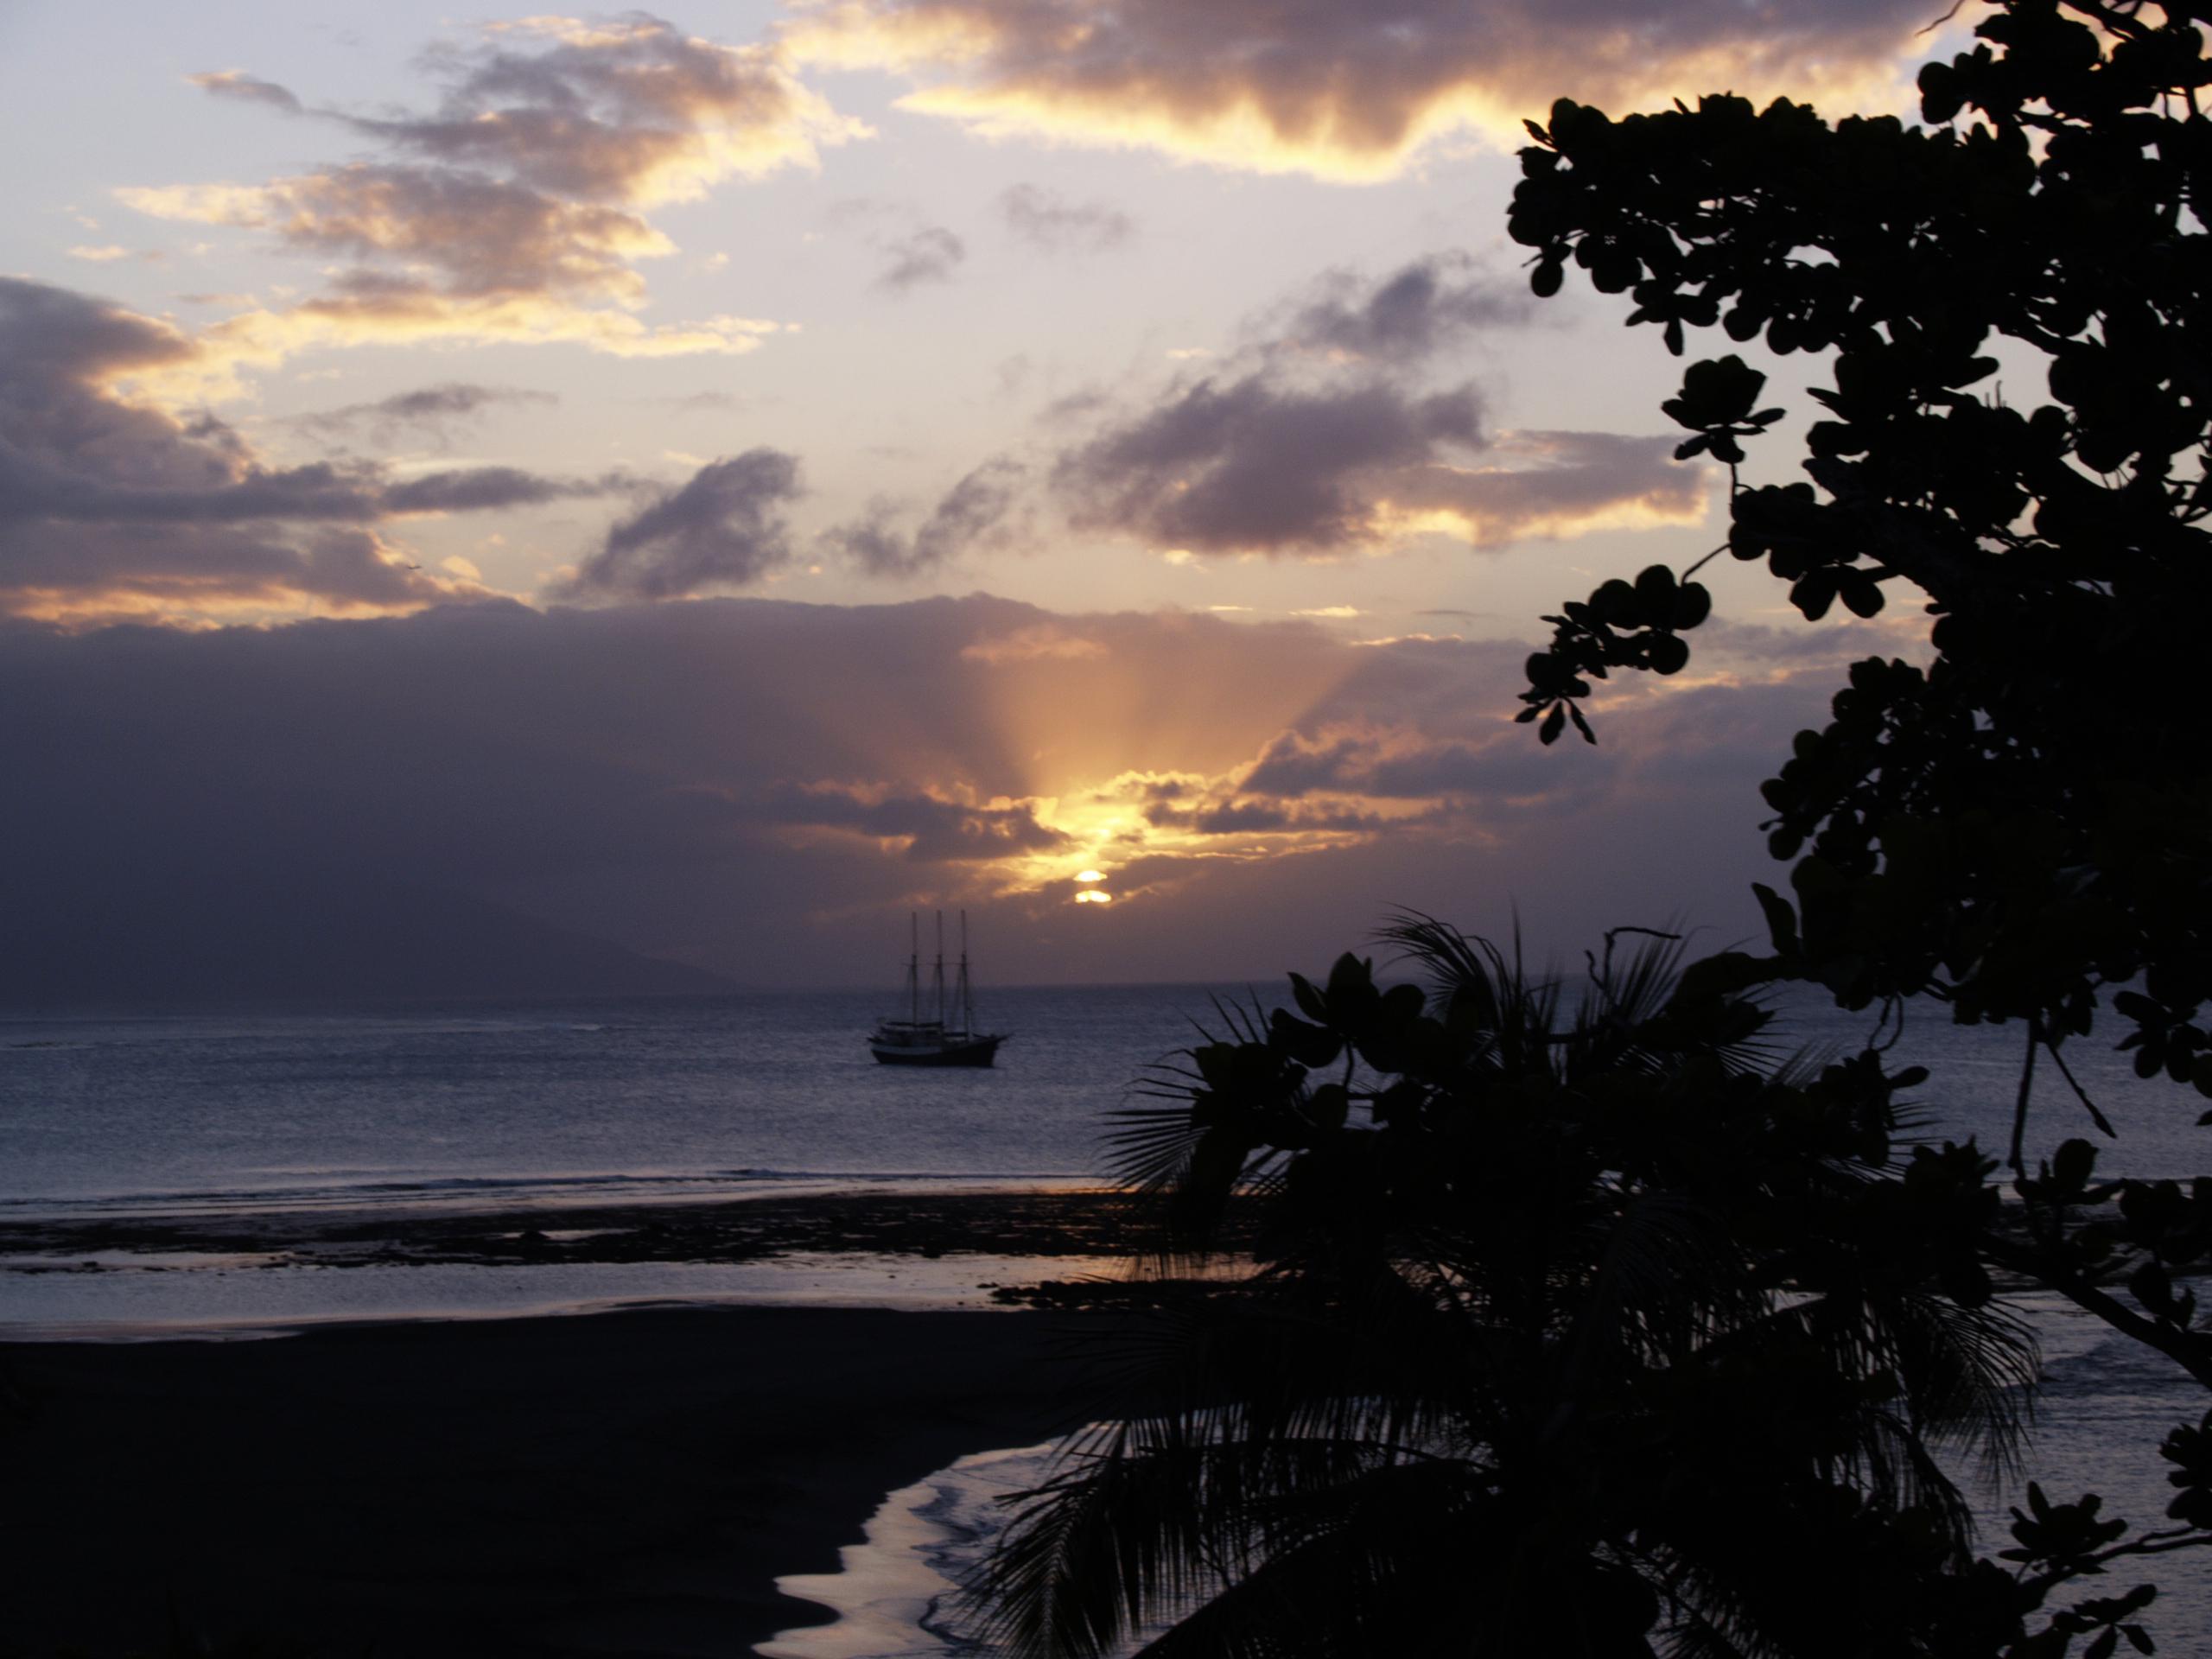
(628,1483)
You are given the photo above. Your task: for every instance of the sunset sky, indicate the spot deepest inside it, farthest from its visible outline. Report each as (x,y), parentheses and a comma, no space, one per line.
(716,481)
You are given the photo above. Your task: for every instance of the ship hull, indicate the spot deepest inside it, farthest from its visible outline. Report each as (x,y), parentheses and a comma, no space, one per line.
(978,1050)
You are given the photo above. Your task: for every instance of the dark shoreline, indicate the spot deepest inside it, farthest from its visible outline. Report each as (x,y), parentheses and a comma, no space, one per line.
(626,1483)
(1090,1231)
(1012,1222)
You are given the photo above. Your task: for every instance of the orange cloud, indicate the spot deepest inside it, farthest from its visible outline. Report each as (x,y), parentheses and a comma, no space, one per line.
(630,110)
(399,314)
(510,211)
(1346,89)
(1564,484)
(1030,644)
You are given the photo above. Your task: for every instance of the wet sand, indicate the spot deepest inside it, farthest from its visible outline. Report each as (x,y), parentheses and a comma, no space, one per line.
(627,1483)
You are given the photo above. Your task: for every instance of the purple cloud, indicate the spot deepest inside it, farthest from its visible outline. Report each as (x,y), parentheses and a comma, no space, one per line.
(723,528)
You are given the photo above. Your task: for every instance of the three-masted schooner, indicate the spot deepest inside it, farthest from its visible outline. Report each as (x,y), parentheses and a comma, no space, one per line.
(951,1039)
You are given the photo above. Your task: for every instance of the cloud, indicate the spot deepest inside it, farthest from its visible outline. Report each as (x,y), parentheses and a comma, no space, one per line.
(236,84)
(1400,762)
(512,210)
(484,236)
(478,258)
(1544,485)
(696,401)
(928,255)
(1045,220)
(366,308)
(723,528)
(479,489)
(1251,817)
(1348,89)
(1324,435)
(1408,316)
(972,514)
(929,828)
(432,410)
(629,110)
(1042,641)
(112,505)
(1252,465)
(767,787)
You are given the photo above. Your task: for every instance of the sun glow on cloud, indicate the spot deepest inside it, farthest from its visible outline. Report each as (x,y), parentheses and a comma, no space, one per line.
(510,214)
(1180,823)
(266,337)
(1333,92)
(1383,749)
(1397,522)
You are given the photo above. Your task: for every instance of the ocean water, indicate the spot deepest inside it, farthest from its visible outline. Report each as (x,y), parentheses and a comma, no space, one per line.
(458,1105)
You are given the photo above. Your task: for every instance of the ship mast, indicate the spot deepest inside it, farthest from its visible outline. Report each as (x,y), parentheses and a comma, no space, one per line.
(940,968)
(967,990)
(914,969)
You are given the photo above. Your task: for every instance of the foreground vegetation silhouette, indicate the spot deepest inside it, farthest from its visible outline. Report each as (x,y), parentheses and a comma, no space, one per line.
(2023,826)
(2025,821)
(2020,826)
(1577,1330)
(1584,1324)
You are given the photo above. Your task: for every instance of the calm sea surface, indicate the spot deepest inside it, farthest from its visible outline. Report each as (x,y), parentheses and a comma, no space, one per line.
(401,1104)
(403,1107)
(410,1105)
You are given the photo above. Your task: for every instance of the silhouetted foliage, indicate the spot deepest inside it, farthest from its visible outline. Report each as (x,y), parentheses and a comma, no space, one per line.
(2023,826)
(2027,820)
(1582,1326)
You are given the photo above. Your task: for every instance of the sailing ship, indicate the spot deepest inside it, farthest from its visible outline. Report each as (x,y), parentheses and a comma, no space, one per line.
(951,1039)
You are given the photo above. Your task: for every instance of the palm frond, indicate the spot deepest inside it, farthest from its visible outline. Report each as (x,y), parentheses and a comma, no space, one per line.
(1968,1373)
(1575,1274)
(1385,1568)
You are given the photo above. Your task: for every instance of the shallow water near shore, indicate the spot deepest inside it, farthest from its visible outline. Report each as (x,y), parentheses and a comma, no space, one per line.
(893,1591)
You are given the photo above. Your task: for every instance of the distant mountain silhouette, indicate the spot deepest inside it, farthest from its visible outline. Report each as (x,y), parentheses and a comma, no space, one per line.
(178,937)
